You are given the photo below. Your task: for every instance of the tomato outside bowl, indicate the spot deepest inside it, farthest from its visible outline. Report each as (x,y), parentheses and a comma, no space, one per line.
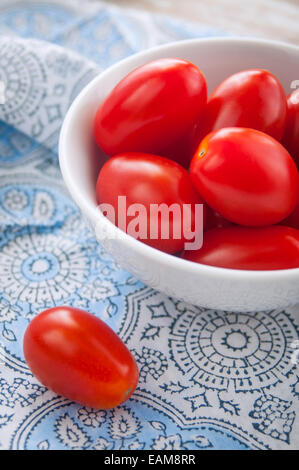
(81,160)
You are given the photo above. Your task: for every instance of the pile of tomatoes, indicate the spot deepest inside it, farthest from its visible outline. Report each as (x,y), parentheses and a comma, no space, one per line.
(235,151)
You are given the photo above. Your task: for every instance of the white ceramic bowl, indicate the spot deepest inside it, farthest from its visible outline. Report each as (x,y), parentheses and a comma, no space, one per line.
(80,161)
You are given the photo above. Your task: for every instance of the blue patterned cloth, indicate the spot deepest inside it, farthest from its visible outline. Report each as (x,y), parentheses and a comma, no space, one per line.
(208,380)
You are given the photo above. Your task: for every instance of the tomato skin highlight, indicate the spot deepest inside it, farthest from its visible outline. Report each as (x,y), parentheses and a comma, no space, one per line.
(246,176)
(291,135)
(78,356)
(151,107)
(267,248)
(251,98)
(148,179)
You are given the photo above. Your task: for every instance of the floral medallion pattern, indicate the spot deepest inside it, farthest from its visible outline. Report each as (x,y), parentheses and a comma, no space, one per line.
(208,380)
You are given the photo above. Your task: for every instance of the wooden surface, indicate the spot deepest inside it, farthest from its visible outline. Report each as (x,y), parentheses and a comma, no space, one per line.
(274,19)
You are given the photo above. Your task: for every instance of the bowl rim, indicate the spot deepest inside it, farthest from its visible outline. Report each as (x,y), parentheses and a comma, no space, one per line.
(91,210)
